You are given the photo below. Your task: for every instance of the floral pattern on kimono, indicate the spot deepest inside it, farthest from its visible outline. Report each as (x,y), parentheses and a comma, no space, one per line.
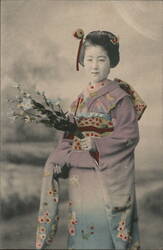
(109,182)
(48,212)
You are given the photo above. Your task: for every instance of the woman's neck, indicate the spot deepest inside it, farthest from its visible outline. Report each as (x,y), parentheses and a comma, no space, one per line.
(92,83)
(95,86)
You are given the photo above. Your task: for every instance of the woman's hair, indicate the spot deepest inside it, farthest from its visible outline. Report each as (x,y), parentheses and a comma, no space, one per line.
(107,40)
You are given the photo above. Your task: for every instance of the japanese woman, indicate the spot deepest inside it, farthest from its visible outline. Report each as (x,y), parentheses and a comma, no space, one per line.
(99,166)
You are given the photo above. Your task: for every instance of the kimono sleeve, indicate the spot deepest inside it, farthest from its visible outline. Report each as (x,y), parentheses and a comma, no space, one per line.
(125,136)
(61,153)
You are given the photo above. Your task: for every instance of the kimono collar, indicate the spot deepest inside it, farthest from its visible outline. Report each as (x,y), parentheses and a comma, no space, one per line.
(124,89)
(108,87)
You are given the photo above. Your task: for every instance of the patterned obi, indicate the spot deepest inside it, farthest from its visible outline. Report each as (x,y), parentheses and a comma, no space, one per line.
(94,125)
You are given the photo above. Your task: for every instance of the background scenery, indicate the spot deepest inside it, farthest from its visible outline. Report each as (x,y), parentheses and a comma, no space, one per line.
(38,49)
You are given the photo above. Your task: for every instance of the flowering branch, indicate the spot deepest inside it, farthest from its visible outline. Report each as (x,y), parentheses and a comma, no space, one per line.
(40,109)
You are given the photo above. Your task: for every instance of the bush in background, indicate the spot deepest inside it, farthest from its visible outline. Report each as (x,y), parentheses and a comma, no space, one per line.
(14,205)
(153,202)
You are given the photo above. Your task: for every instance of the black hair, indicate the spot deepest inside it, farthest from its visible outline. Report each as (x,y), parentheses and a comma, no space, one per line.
(107,40)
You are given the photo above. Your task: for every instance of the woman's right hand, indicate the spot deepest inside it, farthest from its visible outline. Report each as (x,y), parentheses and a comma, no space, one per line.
(60,172)
(57,169)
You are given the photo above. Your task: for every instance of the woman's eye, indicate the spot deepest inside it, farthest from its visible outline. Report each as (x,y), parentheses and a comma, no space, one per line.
(89,60)
(102,60)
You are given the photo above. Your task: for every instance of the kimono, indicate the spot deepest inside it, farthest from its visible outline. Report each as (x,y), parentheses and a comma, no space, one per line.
(102,202)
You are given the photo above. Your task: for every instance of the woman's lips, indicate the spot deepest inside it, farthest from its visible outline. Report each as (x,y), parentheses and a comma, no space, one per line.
(94,73)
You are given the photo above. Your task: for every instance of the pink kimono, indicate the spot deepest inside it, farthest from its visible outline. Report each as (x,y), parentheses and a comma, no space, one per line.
(102,202)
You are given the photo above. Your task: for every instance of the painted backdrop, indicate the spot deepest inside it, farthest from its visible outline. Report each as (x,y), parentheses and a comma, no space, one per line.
(38,49)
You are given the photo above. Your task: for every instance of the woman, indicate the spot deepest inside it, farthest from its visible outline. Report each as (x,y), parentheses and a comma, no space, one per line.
(102,202)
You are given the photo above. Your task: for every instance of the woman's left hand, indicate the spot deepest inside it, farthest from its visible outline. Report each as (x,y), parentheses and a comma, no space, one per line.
(87,144)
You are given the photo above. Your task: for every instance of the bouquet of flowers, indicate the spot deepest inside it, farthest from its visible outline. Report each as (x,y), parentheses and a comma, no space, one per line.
(36,107)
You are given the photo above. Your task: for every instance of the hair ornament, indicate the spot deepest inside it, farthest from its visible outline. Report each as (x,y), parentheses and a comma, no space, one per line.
(114,40)
(79,34)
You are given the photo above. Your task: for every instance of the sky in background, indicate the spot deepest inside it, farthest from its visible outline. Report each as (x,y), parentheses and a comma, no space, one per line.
(38,48)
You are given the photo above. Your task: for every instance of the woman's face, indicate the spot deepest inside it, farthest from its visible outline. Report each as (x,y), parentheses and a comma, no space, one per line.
(96,63)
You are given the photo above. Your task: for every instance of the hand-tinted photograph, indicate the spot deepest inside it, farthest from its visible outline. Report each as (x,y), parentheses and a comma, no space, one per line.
(81,124)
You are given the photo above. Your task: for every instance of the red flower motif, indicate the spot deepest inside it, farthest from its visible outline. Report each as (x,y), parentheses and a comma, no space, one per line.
(120,228)
(75,221)
(50,192)
(48,220)
(125,238)
(71,231)
(42,229)
(43,236)
(41,219)
(110,123)
(122,223)
(38,244)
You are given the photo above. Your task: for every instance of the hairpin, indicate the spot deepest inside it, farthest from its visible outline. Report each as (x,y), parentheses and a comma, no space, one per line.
(114,40)
(79,34)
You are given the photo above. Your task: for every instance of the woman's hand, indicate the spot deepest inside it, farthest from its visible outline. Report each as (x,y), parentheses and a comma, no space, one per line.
(87,144)
(60,172)
(57,169)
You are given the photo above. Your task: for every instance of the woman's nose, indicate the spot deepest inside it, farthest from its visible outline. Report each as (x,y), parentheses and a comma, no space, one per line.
(95,65)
